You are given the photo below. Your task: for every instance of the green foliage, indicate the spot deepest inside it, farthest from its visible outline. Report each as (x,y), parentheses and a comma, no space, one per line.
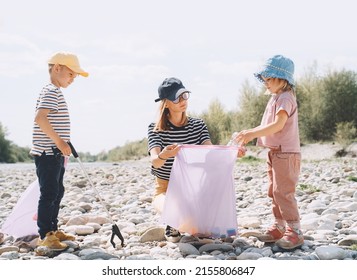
(9,152)
(5,147)
(252,103)
(307,92)
(250,159)
(218,123)
(325,102)
(131,150)
(353,247)
(345,133)
(308,188)
(20,154)
(352,178)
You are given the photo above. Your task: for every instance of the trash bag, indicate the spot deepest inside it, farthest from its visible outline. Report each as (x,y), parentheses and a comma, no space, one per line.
(200,199)
(23,219)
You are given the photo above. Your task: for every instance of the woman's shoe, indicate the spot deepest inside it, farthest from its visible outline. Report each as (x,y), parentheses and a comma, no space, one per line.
(172,235)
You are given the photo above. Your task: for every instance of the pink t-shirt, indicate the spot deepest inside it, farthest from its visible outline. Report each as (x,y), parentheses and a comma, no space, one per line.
(288,138)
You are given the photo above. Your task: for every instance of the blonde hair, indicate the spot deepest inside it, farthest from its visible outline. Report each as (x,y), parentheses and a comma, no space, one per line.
(162,123)
(285,86)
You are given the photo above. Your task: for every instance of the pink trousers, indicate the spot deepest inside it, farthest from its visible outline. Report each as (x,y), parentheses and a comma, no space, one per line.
(283,174)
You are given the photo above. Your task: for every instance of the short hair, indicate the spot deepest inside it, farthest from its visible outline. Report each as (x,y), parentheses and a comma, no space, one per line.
(50,66)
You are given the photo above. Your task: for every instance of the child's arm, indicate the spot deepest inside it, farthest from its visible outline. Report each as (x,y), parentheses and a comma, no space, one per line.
(42,121)
(246,136)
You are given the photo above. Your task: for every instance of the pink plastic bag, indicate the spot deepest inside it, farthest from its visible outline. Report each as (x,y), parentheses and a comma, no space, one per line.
(23,219)
(200,199)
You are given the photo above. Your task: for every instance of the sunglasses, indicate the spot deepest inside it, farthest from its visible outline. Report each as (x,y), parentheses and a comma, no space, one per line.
(184,96)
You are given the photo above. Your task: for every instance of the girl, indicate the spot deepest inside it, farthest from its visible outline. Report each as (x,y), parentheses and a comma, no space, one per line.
(279,132)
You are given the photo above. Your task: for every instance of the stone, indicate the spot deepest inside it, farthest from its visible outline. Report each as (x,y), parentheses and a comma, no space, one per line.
(153,234)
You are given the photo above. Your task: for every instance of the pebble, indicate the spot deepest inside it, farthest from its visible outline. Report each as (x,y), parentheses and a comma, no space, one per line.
(327,200)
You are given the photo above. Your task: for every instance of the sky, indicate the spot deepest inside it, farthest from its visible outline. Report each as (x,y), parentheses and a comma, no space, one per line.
(130,47)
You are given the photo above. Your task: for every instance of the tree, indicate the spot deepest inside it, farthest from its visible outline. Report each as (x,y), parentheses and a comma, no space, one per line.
(218,123)
(251,107)
(325,102)
(5,147)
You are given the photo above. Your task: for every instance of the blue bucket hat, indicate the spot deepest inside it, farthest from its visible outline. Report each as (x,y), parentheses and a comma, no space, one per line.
(277,66)
(171,89)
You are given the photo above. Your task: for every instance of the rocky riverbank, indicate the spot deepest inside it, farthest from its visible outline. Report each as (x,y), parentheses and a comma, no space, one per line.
(326,194)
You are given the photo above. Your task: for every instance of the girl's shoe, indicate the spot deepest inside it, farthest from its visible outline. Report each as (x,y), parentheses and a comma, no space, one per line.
(172,235)
(291,239)
(273,234)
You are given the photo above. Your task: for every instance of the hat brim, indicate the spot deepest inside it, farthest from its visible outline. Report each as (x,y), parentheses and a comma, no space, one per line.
(179,92)
(173,97)
(78,70)
(274,74)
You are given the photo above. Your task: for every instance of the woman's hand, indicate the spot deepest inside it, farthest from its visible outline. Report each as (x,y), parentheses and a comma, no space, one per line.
(159,157)
(170,151)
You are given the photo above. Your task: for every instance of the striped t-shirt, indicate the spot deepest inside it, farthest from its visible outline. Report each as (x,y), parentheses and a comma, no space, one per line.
(51,97)
(195,132)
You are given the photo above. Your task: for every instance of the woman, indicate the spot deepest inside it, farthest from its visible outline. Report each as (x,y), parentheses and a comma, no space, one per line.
(172,128)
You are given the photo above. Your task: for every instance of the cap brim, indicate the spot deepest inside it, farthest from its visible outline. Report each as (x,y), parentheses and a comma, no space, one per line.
(174,97)
(180,91)
(79,71)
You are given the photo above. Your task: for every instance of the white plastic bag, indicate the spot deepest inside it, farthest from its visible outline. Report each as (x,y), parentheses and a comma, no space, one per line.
(23,219)
(200,199)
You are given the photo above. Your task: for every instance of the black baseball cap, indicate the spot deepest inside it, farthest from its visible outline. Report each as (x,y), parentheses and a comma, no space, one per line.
(171,89)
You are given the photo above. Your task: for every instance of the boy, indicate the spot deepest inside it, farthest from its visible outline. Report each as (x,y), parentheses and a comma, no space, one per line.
(51,132)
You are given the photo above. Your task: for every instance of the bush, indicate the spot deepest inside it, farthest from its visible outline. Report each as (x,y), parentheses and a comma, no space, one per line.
(252,103)
(346,132)
(131,150)
(5,147)
(326,101)
(9,152)
(218,123)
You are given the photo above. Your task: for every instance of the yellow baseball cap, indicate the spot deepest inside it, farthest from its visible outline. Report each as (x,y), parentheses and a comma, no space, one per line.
(70,60)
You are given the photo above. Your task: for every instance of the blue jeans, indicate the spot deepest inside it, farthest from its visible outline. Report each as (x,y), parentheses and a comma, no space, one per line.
(50,171)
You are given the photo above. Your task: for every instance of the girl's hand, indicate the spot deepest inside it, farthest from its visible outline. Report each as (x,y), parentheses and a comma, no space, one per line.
(244,136)
(241,151)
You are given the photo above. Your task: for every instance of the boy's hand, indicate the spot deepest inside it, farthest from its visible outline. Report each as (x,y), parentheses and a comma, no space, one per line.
(64,148)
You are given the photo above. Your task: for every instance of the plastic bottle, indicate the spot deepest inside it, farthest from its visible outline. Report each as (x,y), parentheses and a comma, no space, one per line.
(233,141)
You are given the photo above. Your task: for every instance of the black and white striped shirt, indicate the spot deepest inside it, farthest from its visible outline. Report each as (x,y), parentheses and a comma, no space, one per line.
(195,132)
(51,98)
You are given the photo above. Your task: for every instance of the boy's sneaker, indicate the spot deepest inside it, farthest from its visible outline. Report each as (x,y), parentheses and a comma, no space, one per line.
(291,239)
(64,236)
(52,242)
(273,234)
(172,235)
